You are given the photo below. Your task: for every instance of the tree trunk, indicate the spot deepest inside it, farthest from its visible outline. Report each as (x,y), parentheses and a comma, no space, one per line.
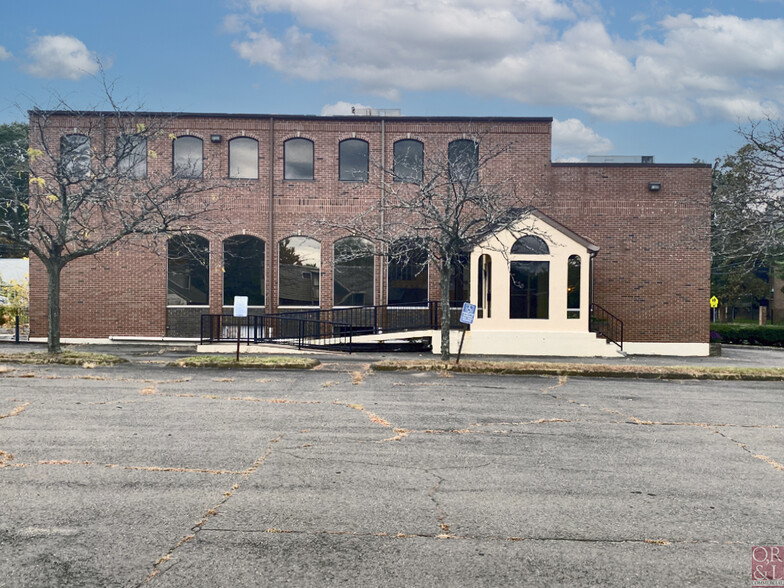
(446,278)
(53,270)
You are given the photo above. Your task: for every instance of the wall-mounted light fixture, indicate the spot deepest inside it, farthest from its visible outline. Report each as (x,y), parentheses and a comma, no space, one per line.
(215,138)
(654,186)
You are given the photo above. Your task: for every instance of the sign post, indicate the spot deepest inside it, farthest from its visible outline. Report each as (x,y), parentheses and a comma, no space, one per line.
(714,303)
(466,317)
(240,311)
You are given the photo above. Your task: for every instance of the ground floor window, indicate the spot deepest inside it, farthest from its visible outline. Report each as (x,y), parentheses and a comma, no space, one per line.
(243,269)
(529,289)
(188,280)
(573,288)
(407,276)
(299,270)
(461,274)
(353,275)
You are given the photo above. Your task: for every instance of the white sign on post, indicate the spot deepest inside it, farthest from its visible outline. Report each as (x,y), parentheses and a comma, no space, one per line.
(468,313)
(240,306)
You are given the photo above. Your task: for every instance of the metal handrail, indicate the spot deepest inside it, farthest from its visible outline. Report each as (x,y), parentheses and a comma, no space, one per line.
(604,323)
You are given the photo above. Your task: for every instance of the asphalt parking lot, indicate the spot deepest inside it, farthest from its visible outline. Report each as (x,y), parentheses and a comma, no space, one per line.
(144,475)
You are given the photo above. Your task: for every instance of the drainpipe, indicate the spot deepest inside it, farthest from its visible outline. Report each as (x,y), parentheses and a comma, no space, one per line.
(382,276)
(269,304)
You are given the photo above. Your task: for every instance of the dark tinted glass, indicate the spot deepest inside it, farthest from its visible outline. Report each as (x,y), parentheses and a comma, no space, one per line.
(353,160)
(243,265)
(187,158)
(463,161)
(189,275)
(530,245)
(75,156)
(353,281)
(131,156)
(409,161)
(298,159)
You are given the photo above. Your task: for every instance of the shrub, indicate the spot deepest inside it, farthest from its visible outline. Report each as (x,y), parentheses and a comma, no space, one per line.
(738,334)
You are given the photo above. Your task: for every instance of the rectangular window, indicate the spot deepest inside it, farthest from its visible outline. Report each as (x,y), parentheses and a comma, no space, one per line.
(529,289)
(409,161)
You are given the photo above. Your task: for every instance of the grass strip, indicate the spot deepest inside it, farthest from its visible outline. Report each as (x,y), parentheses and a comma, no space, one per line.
(585,369)
(67,357)
(267,362)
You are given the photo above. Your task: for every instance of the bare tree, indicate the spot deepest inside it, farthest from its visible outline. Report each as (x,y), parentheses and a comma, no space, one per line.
(437,204)
(94,181)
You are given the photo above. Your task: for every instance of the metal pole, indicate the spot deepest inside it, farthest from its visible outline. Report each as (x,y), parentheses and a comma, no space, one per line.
(17,327)
(460,349)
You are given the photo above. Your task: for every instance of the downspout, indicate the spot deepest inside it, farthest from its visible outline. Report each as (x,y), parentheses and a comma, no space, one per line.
(382,273)
(269,305)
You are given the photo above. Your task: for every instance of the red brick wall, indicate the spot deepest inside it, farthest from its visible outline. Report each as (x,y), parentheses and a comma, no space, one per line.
(652,270)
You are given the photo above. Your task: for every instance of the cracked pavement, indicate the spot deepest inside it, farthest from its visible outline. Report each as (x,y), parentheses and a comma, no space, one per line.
(143,475)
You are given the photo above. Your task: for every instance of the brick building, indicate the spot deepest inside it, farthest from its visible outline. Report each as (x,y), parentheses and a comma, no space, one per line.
(638,231)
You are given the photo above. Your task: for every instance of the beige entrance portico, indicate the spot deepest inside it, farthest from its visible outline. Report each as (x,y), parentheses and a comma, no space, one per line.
(532,288)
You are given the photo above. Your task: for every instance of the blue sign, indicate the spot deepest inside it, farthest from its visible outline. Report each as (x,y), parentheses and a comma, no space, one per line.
(468,313)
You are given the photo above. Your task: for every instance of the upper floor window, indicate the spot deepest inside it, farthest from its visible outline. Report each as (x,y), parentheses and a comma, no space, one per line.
(244,158)
(131,156)
(530,245)
(298,159)
(187,157)
(75,156)
(354,160)
(464,161)
(409,161)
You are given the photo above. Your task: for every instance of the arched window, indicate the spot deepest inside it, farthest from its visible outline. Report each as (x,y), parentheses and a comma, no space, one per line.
(461,276)
(484,286)
(299,269)
(75,157)
(353,274)
(243,267)
(244,158)
(131,155)
(406,275)
(409,161)
(530,245)
(464,161)
(573,288)
(354,160)
(187,157)
(189,271)
(298,159)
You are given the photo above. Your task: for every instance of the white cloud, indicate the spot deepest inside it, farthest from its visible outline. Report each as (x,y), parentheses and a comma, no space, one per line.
(60,56)
(544,52)
(340,108)
(572,141)
(5,54)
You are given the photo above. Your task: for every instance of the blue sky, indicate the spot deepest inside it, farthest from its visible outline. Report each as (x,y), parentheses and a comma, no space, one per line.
(669,78)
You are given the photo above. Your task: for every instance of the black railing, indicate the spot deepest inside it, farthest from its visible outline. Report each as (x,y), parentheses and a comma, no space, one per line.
(335,327)
(607,325)
(386,318)
(270,328)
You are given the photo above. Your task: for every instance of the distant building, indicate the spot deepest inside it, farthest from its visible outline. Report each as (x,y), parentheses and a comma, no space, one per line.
(630,237)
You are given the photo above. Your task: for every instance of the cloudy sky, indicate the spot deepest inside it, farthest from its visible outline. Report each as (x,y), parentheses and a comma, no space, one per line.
(669,78)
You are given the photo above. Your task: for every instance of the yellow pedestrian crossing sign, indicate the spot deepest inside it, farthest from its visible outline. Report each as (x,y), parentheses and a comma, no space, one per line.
(714,302)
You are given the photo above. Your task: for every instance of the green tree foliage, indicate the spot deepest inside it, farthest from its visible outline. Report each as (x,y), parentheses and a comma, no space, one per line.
(13,185)
(747,219)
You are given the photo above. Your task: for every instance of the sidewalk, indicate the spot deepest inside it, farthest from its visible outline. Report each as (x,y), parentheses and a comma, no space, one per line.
(732,355)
